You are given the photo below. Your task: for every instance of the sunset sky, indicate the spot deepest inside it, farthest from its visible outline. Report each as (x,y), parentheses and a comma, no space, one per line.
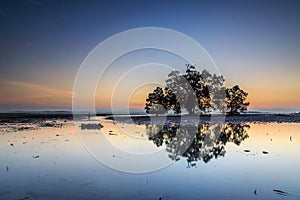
(254,44)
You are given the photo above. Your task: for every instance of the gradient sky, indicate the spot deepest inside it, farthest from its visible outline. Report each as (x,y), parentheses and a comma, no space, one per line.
(254,43)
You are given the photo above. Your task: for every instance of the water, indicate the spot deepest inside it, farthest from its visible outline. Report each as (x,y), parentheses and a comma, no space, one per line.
(52,163)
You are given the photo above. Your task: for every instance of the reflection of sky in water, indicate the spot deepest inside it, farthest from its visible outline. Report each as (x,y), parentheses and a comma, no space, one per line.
(65,170)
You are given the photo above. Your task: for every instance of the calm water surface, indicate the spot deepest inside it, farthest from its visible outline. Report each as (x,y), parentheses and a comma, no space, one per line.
(235,161)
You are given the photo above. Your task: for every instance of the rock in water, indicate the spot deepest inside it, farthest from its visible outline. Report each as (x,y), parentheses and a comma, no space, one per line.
(280,192)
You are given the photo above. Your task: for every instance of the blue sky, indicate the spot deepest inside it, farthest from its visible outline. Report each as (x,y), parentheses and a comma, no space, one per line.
(254,43)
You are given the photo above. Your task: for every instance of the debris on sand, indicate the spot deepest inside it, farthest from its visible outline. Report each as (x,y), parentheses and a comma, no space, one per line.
(25,128)
(265,152)
(246,150)
(35,156)
(91,126)
(48,124)
(280,192)
(111,133)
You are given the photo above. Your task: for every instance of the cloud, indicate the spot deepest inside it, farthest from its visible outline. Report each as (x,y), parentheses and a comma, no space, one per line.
(22,93)
(47,90)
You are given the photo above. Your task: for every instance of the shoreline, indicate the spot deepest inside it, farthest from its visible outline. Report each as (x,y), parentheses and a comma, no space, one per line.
(202,119)
(146,119)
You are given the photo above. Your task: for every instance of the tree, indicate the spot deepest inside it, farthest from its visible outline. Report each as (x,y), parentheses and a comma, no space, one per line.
(171,102)
(196,91)
(155,103)
(194,88)
(217,91)
(199,84)
(235,100)
(183,91)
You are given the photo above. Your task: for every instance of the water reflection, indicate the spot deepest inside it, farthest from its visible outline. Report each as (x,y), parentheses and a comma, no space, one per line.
(199,142)
(64,170)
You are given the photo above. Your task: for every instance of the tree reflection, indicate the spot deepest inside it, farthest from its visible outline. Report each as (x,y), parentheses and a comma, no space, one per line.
(199,142)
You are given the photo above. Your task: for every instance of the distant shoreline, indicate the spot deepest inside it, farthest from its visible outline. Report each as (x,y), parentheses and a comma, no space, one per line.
(24,117)
(187,119)
(145,119)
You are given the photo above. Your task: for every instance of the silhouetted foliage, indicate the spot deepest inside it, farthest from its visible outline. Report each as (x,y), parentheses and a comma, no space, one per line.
(235,100)
(180,86)
(196,92)
(155,103)
(171,102)
(195,143)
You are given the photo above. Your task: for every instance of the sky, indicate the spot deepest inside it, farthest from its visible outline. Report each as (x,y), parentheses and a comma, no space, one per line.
(43,43)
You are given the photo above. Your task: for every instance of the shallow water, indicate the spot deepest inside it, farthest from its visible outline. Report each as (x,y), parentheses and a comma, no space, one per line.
(55,163)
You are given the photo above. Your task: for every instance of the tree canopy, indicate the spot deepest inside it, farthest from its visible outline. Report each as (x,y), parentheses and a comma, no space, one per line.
(197,92)
(235,100)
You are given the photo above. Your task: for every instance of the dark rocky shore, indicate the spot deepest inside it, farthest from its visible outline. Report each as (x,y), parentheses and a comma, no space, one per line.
(186,119)
(32,117)
(144,119)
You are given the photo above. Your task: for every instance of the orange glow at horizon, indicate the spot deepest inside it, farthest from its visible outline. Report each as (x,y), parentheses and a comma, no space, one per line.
(258,98)
(28,94)
(273,98)
(16,92)
(136,101)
